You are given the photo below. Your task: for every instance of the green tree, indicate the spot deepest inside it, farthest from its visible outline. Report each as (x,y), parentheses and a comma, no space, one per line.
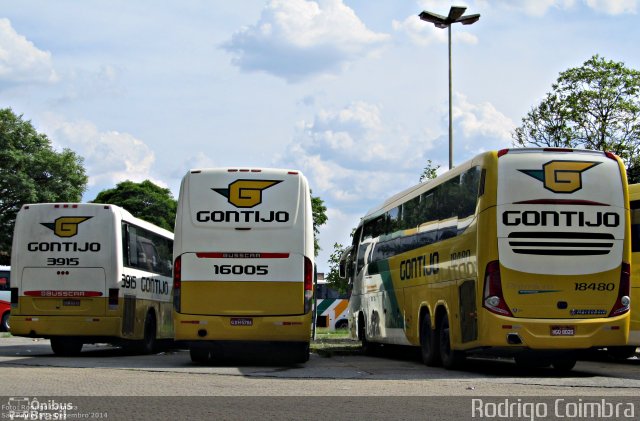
(144,200)
(429,172)
(31,171)
(333,277)
(319,211)
(595,106)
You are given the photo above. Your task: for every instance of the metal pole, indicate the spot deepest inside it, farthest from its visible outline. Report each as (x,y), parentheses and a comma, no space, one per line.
(450,107)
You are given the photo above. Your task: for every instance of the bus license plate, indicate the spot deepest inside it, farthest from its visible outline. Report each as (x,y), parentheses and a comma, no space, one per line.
(563,330)
(241,321)
(70,302)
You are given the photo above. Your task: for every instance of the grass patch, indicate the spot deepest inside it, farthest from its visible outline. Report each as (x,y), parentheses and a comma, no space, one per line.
(338,342)
(5,335)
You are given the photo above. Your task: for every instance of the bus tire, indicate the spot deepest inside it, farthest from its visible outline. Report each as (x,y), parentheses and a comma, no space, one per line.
(149,341)
(367,347)
(429,345)
(300,353)
(617,353)
(564,364)
(342,324)
(199,355)
(451,359)
(5,327)
(530,360)
(64,346)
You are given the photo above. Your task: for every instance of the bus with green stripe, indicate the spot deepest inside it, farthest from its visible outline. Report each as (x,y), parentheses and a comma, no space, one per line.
(525,252)
(332,306)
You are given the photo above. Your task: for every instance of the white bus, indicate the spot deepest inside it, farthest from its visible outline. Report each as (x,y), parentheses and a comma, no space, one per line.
(332,306)
(86,273)
(244,262)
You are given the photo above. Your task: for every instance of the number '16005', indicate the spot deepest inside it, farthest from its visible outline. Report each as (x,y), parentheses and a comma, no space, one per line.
(240,269)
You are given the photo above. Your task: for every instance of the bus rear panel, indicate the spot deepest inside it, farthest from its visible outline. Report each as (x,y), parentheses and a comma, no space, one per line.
(243,259)
(563,252)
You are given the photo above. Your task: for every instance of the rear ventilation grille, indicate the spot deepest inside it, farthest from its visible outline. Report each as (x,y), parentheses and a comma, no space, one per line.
(561,243)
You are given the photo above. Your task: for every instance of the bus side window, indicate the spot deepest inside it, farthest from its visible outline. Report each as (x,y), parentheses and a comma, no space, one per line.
(134,253)
(469,187)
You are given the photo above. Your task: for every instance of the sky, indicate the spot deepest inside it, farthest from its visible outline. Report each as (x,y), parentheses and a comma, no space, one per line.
(354,93)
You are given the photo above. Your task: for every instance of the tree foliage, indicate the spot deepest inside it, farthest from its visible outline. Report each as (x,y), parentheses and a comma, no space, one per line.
(31,171)
(429,172)
(333,277)
(319,211)
(595,106)
(144,200)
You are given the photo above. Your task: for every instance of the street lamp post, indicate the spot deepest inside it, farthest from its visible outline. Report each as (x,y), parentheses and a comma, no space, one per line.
(455,16)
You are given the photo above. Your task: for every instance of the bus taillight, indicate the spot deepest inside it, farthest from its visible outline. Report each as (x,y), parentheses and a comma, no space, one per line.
(623,301)
(308,284)
(493,300)
(177,283)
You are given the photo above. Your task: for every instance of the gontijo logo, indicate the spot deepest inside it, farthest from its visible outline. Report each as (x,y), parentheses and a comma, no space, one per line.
(66,226)
(561,176)
(246,193)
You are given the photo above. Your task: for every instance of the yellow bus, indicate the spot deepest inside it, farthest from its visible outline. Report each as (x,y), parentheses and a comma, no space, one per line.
(634,208)
(244,262)
(520,251)
(86,273)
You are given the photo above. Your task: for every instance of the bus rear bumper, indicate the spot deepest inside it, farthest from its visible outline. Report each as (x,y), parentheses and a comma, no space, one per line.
(556,333)
(47,326)
(189,327)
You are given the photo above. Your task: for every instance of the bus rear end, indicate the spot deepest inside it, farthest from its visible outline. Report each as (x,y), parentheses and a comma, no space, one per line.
(243,269)
(561,276)
(63,285)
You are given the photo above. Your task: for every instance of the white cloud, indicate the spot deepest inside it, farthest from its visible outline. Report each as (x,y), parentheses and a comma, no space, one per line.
(614,7)
(20,60)
(540,8)
(295,39)
(481,119)
(109,157)
(353,158)
(356,137)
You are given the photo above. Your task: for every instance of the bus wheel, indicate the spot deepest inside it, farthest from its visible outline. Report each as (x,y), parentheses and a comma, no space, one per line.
(199,355)
(450,358)
(5,322)
(530,360)
(617,353)
(148,345)
(564,364)
(368,348)
(300,353)
(429,343)
(65,346)
(342,324)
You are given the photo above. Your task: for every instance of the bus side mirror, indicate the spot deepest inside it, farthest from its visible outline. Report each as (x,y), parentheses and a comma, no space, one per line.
(344,265)
(342,269)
